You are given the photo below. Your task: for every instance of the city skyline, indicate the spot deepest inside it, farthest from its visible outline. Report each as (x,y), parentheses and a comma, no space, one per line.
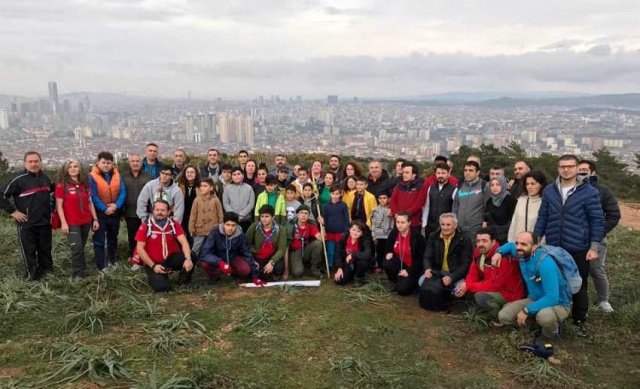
(369,49)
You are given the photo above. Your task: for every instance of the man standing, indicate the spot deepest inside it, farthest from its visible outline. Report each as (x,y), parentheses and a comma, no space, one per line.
(495,172)
(212,168)
(440,197)
(134,180)
(160,240)
(378,181)
(150,163)
(242,157)
(516,186)
(334,166)
(162,188)
(611,210)
(470,199)
(493,283)
(108,194)
(571,217)
(279,162)
(179,161)
(409,195)
(27,197)
(548,300)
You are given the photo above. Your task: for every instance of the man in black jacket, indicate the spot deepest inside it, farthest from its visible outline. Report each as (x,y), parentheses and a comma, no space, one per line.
(446,262)
(27,197)
(611,218)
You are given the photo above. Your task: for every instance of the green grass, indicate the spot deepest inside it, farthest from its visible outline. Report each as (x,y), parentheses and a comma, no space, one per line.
(113,331)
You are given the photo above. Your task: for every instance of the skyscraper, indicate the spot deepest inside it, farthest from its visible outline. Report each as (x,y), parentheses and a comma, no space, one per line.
(223,122)
(189,128)
(53,96)
(4,119)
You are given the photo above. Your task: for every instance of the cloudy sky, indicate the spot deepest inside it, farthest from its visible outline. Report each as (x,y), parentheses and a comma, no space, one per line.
(366,48)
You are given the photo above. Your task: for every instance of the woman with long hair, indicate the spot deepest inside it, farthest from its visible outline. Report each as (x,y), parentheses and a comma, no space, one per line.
(76,211)
(526,212)
(261,178)
(351,169)
(315,174)
(349,190)
(188,182)
(324,189)
(405,252)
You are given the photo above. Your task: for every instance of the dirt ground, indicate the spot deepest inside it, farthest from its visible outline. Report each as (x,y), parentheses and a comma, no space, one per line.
(630,215)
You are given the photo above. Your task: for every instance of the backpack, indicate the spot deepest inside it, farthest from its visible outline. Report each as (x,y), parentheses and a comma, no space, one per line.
(566,264)
(135,257)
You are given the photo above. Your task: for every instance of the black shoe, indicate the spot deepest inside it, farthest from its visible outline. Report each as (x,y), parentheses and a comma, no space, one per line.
(581,328)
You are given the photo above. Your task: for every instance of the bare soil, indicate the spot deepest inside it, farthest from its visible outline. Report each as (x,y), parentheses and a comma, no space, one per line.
(630,215)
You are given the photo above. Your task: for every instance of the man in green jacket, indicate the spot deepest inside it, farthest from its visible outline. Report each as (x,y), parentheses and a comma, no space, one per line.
(268,242)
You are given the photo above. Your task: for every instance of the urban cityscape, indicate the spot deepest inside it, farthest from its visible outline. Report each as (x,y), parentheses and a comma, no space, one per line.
(72,125)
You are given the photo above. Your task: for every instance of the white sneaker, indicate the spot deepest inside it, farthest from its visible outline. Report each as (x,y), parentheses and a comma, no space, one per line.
(605,306)
(136,267)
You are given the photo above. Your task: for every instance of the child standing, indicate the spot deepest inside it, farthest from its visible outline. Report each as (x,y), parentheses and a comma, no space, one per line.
(309,199)
(363,202)
(272,196)
(381,226)
(335,217)
(206,214)
(292,204)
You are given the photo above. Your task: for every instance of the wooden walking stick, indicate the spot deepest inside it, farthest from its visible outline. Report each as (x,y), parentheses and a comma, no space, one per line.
(322,231)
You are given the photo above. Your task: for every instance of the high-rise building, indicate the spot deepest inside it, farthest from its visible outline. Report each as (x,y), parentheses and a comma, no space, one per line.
(223,130)
(189,128)
(247,130)
(332,99)
(210,131)
(53,96)
(4,119)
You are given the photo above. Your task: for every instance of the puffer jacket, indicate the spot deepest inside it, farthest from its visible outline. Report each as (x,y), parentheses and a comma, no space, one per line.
(575,225)
(219,247)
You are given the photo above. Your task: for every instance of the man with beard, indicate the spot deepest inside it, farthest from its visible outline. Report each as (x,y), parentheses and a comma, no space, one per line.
(440,197)
(334,166)
(162,188)
(163,248)
(548,300)
(516,186)
(409,195)
(494,283)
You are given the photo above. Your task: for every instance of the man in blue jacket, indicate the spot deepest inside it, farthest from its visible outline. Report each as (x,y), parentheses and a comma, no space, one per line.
(571,217)
(548,299)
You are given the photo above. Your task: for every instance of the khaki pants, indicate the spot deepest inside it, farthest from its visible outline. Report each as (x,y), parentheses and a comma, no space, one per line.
(490,302)
(548,318)
(312,256)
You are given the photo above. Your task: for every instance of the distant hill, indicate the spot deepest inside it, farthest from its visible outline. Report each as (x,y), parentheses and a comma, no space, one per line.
(629,100)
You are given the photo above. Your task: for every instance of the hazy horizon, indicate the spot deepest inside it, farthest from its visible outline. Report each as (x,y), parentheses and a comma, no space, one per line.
(370,49)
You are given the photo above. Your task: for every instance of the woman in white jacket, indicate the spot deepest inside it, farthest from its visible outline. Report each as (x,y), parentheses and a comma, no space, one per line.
(526,213)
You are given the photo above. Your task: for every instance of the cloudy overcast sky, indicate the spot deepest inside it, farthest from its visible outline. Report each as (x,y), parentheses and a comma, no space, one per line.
(366,48)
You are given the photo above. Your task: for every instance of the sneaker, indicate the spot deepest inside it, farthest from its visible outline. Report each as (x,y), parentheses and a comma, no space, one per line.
(136,267)
(581,329)
(606,307)
(497,324)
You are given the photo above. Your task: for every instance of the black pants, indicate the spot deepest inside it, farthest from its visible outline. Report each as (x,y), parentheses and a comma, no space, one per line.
(35,245)
(404,285)
(581,299)
(133,224)
(434,295)
(278,268)
(174,262)
(358,271)
(381,251)
(77,241)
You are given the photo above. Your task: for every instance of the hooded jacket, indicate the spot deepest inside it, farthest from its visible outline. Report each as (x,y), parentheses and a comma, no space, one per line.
(577,224)
(504,278)
(469,204)
(609,205)
(219,247)
(154,190)
(29,193)
(459,256)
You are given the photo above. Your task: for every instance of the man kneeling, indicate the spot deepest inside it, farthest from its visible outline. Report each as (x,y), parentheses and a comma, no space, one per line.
(549,299)
(494,284)
(158,248)
(268,243)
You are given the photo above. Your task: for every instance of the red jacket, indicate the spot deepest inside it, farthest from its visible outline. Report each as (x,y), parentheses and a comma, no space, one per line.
(505,278)
(410,197)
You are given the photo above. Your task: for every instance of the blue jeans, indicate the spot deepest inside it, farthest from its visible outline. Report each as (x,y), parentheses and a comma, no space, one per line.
(107,233)
(331,250)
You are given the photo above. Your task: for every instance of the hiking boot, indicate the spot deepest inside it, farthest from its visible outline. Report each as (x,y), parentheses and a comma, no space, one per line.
(581,328)
(606,307)
(317,273)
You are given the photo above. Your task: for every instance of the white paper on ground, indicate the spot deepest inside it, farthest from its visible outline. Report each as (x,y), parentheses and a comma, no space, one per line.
(307,283)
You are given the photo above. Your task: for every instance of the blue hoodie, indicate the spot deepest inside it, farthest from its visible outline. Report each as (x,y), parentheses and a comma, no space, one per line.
(547,287)
(219,247)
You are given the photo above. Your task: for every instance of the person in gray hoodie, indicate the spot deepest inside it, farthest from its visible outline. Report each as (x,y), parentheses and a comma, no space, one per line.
(470,199)
(165,188)
(239,198)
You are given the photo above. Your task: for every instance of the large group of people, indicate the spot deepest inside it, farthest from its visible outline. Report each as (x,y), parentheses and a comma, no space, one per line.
(440,237)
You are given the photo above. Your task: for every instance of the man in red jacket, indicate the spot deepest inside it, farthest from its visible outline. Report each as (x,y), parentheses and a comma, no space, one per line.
(494,284)
(410,195)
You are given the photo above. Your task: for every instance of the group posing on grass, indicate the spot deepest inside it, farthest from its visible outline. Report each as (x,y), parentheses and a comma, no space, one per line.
(510,243)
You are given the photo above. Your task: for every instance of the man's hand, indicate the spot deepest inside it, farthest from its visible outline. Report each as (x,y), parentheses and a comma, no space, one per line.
(19,216)
(446,280)
(188,264)
(64,228)
(592,255)
(96,225)
(268,268)
(338,276)
(349,258)
(259,282)
(522,318)
(461,289)
(495,259)
(320,220)
(224,268)
(428,274)
(159,269)
(403,273)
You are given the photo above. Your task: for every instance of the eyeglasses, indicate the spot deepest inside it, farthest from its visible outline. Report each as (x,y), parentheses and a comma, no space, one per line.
(165,174)
(567,166)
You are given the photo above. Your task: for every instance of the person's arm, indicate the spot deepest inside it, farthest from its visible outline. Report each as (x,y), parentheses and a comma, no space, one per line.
(94,215)
(143,200)
(340,253)
(63,219)
(178,206)
(7,193)
(550,285)
(543,215)
(365,249)
(251,236)
(595,218)
(186,250)
(207,253)
(473,281)
(194,215)
(429,252)
(345,218)
(425,211)
(395,206)
(226,201)
(456,202)
(259,202)
(246,211)
(465,261)
(282,246)
(218,210)
(415,207)
(611,210)
(515,220)
(123,194)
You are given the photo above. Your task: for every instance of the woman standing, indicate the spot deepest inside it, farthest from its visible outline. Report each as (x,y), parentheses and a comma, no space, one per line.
(251,173)
(316,173)
(324,189)
(354,254)
(76,211)
(526,212)
(349,190)
(188,181)
(499,209)
(405,250)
